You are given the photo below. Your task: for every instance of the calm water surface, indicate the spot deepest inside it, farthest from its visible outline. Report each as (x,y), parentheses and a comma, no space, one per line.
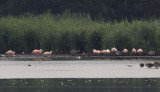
(77,74)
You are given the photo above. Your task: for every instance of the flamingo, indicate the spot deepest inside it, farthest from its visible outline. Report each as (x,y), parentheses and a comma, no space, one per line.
(10,52)
(125,51)
(37,51)
(96,51)
(47,53)
(105,51)
(140,50)
(134,50)
(108,51)
(113,49)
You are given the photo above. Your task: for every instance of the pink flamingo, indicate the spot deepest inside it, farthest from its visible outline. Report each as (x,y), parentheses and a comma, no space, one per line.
(125,51)
(47,53)
(113,49)
(105,51)
(140,50)
(96,51)
(108,51)
(10,52)
(37,51)
(134,50)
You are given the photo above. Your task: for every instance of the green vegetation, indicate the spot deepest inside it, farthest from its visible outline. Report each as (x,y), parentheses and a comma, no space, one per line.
(62,33)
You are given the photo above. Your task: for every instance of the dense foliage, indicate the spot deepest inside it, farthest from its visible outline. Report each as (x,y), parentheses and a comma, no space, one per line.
(63,25)
(62,33)
(97,9)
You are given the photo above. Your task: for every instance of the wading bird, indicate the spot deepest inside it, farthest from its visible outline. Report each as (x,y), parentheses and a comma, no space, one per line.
(10,52)
(149,65)
(96,51)
(74,52)
(105,51)
(151,53)
(118,53)
(108,51)
(141,65)
(125,51)
(37,51)
(113,49)
(139,50)
(47,53)
(134,50)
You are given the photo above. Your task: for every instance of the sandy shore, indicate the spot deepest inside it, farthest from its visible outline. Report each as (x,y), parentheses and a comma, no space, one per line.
(63,57)
(69,55)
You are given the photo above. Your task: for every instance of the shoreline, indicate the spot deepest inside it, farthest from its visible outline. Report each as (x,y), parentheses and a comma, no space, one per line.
(70,56)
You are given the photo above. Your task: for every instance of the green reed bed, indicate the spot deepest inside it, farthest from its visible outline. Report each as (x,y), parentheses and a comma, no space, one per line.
(62,33)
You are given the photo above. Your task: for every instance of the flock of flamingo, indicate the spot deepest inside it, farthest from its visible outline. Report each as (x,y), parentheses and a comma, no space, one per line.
(36,51)
(125,51)
(96,52)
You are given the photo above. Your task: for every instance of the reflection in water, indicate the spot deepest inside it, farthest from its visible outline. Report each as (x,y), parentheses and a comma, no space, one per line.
(80,85)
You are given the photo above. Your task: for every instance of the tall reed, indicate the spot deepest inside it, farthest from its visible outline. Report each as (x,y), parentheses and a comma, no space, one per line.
(62,33)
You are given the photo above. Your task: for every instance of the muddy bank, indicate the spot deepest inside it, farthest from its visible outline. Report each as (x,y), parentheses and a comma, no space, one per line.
(25,57)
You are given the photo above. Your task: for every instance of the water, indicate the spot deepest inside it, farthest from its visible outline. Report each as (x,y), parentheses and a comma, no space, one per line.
(72,67)
(78,74)
(81,85)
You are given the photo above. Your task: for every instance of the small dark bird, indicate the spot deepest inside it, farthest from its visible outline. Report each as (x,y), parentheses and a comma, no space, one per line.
(74,52)
(156,64)
(141,65)
(149,65)
(29,65)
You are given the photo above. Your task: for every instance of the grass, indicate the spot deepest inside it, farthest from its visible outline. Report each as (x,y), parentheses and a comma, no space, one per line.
(62,33)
